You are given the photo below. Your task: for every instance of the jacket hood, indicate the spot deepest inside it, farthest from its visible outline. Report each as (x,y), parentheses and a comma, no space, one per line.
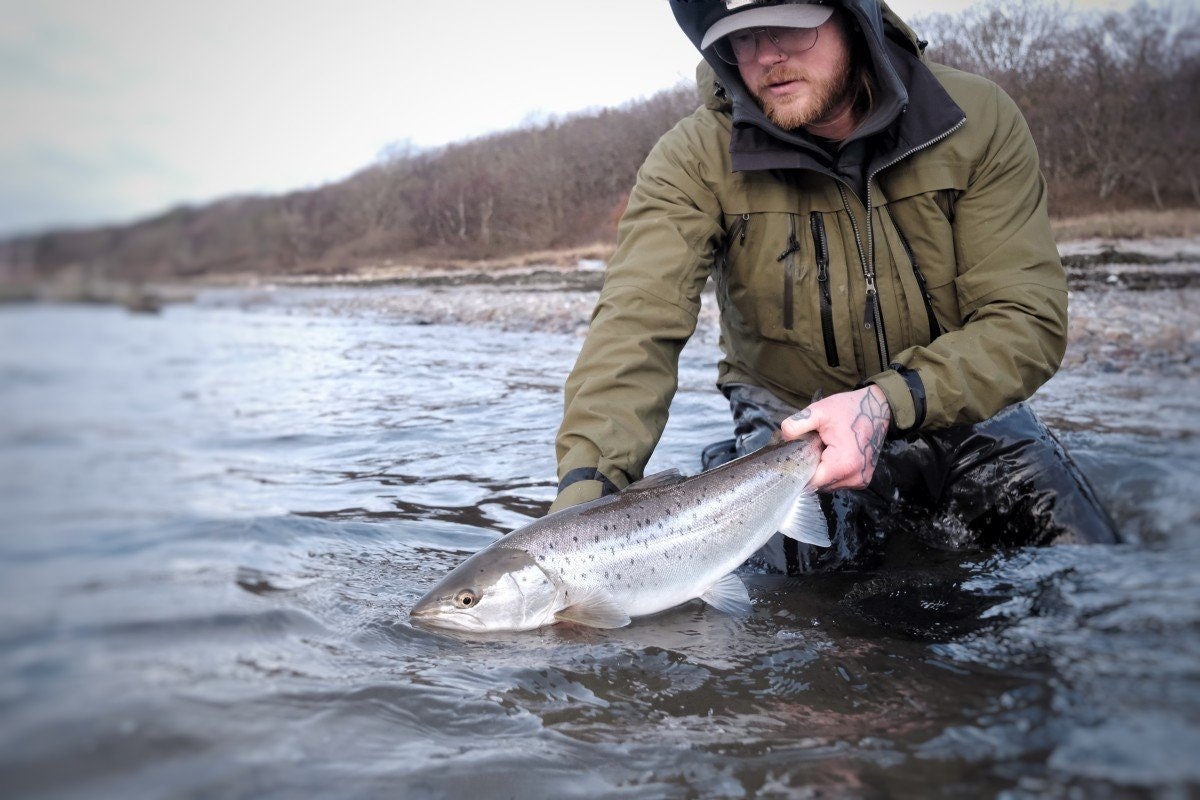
(875,22)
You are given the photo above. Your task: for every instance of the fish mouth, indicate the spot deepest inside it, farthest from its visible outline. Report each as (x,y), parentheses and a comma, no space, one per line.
(427,614)
(434,617)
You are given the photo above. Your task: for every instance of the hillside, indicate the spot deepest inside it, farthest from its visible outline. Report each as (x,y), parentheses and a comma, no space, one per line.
(1113,101)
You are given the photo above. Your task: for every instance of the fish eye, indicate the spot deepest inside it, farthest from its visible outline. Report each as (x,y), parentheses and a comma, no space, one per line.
(467,598)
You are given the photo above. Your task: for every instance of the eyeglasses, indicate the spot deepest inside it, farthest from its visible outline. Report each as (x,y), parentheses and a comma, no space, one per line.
(741,47)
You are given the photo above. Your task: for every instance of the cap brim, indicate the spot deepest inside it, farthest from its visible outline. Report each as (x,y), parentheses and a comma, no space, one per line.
(791,15)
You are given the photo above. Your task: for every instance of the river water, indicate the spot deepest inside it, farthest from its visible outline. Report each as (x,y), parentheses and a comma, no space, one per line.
(215,520)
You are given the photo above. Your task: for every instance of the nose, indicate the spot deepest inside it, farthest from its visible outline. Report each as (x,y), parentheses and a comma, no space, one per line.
(766,52)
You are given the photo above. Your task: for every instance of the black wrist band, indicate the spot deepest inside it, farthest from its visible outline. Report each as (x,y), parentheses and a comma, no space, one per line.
(916,390)
(588,474)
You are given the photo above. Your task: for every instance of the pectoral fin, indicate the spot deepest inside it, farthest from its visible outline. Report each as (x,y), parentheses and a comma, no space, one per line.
(595,610)
(729,595)
(805,522)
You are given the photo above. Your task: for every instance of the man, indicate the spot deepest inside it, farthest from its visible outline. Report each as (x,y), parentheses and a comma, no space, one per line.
(876,229)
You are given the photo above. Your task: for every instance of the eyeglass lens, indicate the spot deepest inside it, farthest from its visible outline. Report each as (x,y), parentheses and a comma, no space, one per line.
(742,47)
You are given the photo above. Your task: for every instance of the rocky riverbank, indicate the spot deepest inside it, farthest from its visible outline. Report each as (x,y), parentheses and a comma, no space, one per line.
(1133,302)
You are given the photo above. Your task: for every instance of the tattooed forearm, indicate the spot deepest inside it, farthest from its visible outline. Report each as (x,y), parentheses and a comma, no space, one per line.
(870,427)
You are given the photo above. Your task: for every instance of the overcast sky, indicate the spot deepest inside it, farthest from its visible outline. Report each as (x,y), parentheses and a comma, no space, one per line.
(117,109)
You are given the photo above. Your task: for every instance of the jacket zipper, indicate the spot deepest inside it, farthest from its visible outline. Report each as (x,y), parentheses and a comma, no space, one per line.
(935,330)
(821,248)
(736,231)
(873,317)
(788,257)
(739,229)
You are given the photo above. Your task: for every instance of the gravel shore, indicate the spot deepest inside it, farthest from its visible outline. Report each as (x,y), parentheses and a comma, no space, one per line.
(1133,305)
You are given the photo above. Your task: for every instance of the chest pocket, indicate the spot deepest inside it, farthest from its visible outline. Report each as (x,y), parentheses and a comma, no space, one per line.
(921,207)
(769,279)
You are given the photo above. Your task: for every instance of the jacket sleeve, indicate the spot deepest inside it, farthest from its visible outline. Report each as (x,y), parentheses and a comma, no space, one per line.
(1011,289)
(618,394)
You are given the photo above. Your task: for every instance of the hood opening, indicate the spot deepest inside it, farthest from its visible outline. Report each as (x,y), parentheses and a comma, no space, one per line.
(867,26)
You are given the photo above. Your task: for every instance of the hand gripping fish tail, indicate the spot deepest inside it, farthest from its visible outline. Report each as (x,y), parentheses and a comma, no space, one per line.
(661,542)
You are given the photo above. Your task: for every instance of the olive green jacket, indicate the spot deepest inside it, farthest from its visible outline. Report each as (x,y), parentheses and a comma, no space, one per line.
(951,271)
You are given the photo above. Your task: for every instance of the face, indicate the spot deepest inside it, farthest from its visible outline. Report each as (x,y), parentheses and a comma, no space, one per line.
(809,88)
(497,589)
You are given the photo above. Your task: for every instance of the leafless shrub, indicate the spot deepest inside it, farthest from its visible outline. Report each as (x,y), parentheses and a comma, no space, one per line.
(1112,99)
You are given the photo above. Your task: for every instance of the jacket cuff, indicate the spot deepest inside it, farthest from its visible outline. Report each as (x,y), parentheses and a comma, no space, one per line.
(576,493)
(905,393)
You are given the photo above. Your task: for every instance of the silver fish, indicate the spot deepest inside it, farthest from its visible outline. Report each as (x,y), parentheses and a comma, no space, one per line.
(660,542)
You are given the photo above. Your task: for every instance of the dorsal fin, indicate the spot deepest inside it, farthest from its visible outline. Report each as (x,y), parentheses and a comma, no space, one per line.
(658,480)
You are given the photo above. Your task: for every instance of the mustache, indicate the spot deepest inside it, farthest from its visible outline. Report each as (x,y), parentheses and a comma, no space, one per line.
(780,75)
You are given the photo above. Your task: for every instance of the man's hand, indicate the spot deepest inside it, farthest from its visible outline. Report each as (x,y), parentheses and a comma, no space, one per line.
(853,426)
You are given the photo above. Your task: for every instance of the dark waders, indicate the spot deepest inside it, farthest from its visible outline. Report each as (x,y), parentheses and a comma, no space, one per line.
(1003,482)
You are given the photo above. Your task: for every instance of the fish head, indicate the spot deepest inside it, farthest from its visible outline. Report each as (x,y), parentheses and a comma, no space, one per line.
(497,589)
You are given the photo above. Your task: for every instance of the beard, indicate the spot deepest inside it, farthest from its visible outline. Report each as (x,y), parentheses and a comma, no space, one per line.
(824,97)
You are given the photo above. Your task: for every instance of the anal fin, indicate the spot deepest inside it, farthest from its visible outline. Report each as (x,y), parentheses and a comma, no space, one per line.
(729,595)
(805,522)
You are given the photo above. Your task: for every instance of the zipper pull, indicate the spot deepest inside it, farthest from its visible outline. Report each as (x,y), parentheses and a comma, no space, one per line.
(792,246)
(869,317)
(745,224)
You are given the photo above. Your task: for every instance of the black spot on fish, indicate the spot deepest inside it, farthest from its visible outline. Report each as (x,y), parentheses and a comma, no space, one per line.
(574,538)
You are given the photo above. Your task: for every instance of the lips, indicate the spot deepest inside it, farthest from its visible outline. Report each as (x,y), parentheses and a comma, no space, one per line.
(780,82)
(785,87)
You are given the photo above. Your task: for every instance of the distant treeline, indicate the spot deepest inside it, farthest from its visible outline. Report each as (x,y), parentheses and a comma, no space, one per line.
(1113,101)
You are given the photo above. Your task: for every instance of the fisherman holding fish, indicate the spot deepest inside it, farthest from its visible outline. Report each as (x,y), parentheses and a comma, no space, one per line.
(875,225)
(876,228)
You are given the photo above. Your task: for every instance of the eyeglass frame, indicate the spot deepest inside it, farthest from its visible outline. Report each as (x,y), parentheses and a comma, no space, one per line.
(725,50)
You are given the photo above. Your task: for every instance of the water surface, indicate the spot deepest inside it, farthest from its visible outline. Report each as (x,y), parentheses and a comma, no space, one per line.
(215,520)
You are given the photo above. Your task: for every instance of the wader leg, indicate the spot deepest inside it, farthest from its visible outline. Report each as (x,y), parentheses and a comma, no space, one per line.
(1012,483)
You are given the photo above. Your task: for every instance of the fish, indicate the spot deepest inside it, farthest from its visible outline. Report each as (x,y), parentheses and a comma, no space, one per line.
(661,542)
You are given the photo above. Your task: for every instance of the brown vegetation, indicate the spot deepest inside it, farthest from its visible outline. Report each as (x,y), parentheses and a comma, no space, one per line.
(1113,101)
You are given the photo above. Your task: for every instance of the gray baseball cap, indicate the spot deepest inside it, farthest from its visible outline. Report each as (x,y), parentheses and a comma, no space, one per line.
(757,14)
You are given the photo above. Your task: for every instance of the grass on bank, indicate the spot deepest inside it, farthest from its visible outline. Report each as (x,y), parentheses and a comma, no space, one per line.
(1179,223)
(1135,224)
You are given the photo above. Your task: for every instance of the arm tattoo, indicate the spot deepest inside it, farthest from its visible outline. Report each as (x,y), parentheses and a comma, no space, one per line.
(870,431)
